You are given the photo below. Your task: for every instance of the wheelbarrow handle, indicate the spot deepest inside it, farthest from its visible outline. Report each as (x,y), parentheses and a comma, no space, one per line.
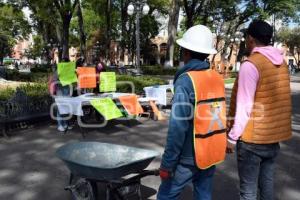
(137,177)
(145,173)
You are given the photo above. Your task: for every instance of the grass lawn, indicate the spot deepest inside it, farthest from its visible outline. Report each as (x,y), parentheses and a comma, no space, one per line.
(229,80)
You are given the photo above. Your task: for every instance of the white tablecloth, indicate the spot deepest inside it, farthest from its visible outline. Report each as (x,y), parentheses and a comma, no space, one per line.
(73,105)
(159,93)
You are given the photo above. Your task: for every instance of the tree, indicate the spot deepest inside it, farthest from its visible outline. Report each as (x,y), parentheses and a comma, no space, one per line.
(108,13)
(45,21)
(172,31)
(235,13)
(192,10)
(149,29)
(5,47)
(66,9)
(81,31)
(13,27)
(122,28)
(124,18)
(291,38)
(35,51)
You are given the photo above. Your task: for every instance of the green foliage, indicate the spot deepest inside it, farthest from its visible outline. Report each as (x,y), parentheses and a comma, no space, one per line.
(6,94)
(158,70)
(41,68)
(283,9)
(93,22)
(234,75)
(291,38)
(35,51)
(38,77)
(13,26)
(94,12)
(13,22)
(138,82)
(5,46)
(229,80)
(34,91)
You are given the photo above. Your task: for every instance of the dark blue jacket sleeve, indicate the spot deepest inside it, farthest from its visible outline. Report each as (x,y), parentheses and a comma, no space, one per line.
(180,122)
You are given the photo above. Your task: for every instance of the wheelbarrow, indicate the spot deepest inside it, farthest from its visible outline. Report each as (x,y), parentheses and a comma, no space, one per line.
(94,162)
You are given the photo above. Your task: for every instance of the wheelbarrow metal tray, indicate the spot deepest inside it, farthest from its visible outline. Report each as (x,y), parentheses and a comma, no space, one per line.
(103,161)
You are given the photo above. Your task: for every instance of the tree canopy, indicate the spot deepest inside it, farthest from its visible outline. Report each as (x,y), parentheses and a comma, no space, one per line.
(85,23)
(13,27)
(291,38)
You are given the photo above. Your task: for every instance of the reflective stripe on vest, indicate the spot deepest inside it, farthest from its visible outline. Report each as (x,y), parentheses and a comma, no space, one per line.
(209,118)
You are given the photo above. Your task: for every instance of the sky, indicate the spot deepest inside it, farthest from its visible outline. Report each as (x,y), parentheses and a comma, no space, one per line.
(27,13)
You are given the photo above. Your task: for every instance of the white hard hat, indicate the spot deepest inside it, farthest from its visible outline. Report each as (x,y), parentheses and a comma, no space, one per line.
(199,39)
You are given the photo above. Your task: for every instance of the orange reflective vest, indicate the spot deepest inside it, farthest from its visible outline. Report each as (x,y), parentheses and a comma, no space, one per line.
(209,118)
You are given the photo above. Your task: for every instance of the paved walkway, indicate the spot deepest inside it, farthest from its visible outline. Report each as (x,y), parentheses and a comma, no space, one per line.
(29,169)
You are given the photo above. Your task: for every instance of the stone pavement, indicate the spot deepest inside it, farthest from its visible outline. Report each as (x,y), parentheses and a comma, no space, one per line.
(29,169)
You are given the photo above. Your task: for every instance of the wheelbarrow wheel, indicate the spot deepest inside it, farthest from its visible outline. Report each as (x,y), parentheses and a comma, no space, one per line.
(83,189)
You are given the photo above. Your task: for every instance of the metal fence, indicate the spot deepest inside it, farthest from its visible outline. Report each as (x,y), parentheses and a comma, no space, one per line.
(22,109)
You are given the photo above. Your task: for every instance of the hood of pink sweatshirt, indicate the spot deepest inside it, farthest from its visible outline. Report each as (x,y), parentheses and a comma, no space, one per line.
(273,54)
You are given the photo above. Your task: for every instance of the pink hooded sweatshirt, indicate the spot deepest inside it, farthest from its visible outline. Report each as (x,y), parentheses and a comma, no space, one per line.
(248,78)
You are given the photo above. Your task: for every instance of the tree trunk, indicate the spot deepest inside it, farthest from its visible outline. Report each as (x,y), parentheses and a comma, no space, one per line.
(231,51)
(172,32)
(241,51)
(297,59)
(108,28)
(59,38)
(46,38)
(65,36)
(133,45)
(190,11)
(2,53)
(124,5)
(81,32)
(65,9)
(217,45)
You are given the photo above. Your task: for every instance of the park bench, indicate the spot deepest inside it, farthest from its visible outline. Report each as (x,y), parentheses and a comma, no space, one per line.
(22,109)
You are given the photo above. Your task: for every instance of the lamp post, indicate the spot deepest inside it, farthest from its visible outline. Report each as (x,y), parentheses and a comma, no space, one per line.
(139,8)
(97,50)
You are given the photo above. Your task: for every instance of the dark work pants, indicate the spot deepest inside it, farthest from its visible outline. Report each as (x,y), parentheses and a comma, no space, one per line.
(256,170)
(184,174)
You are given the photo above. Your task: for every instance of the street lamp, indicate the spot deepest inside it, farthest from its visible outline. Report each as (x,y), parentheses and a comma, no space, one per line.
(96,50)
(139,8)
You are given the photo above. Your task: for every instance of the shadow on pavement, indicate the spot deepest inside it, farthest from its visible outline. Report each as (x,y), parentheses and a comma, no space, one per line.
(29,169)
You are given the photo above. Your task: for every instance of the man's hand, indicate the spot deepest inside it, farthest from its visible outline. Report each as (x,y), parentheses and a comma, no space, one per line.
(230,147)
(164,174)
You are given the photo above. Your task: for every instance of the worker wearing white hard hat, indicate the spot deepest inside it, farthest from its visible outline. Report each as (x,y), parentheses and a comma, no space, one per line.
(198,39)
(183,161)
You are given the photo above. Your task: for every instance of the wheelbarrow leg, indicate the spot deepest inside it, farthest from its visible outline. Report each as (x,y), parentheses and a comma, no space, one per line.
(4,133)
(139,192)
(79,121)
(82,131)
(71,178)
(108,192)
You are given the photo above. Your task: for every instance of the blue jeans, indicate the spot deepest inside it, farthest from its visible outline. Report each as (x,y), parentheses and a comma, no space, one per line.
(62,91)
(170,189)
(256,170)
